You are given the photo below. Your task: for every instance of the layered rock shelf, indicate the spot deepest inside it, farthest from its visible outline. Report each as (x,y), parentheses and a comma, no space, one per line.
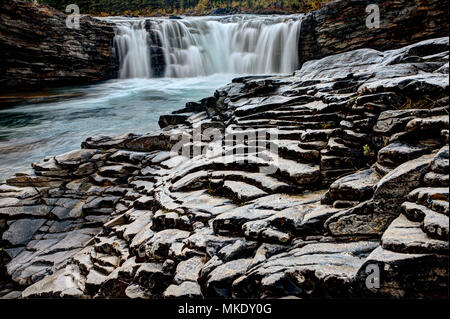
(353,176)
(340,26)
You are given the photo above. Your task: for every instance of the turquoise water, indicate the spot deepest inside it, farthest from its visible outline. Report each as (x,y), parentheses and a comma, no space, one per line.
(30,132)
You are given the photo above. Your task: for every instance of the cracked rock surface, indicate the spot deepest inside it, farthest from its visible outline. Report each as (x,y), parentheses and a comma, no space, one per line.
(352,174)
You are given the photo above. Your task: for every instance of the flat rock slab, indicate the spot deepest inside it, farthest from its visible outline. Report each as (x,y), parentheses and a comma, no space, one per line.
(243,192)
(221,278)
(160,243)
(405,236)
(188,270)
(436,225)
(231,222)
(397,153)
(300,270)
(356,187)
(186,290)
(391,190)
(75,158)
(22,230)
(396,282)
(59,285)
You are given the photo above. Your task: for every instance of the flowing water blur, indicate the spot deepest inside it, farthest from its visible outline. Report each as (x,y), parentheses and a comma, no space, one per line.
(30,132)
(196,46)
(201,55)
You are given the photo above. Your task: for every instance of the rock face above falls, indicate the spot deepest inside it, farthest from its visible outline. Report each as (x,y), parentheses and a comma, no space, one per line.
(358,181)
(39,50)
(340,26)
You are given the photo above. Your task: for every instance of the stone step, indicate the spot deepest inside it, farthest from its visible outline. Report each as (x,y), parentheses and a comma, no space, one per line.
(440,206)
(349,136)
(428,123)
(99,180)
(142,186)
(298,173)
(111,246)
(440,163)
(242,192)
(117,170)
(335,148)
(415,212)
(262,104)
(316,135)
(436,179)
(192,181)
(277,123)
(261,133)
(130,157)
(313,145)
(355,187)
(170,220)
(266,183)
(313,106)
(201,180)
(405,236)
(339,162)
(436,225)
(397,153)
(144,202)
(291,150)
(323,117)
(101,264)
(331,175)
(276,114)
(425,195)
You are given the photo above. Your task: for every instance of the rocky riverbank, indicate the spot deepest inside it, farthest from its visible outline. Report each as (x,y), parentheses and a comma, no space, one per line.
(340,26)
(355,184)
(38,50)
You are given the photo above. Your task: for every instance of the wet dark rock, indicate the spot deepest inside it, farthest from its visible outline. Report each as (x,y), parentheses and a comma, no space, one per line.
(160,243)
(407,237)
(187,289)
(355,187)
(152,278)
(40,51)
(21,231)
(398,281)
(219,281)
(356,178)
(188,270)
(391,190)
(172,119)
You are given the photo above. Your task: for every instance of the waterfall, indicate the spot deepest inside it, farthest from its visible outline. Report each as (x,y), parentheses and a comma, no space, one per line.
(203,46)
(131,44)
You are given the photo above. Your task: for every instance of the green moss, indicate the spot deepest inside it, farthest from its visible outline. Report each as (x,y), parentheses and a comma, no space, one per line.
(367,151)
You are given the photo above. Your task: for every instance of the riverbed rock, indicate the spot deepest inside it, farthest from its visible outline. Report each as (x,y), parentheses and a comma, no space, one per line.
(351,176)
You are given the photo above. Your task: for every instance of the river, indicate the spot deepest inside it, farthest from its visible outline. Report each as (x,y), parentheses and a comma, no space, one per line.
(201,54)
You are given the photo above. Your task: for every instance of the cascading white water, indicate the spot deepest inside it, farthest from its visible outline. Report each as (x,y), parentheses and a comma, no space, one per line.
(201,46)
(131,43)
